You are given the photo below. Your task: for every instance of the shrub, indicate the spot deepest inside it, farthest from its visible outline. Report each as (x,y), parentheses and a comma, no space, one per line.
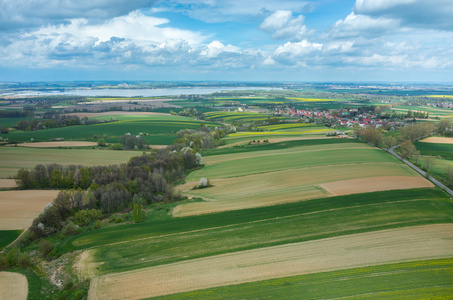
(116,146)
(138,213)
(24,261)
(4,265)
(119,220)
(70,229)
(45,248)
(79,294)
(13,256)
(98,224)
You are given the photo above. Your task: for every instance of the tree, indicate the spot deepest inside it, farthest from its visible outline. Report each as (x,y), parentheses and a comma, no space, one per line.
(407,149)
(138,213)
(449,176)
(429,163)
(101,143)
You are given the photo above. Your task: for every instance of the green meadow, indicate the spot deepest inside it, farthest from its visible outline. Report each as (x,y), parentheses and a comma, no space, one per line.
(234,165)
(435,149)
(155,125)
(232,117)
(8,236)
(430,279)
(155,242)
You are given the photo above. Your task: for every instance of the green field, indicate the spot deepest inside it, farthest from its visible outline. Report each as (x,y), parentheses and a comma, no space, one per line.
(234,165)
(154,243)
(8,236)
(434,149)
(231,117)
(155,125)
(430,279)
(433,111)
(16,158)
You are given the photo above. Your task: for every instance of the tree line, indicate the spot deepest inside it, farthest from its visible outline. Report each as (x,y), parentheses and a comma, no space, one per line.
(54,122)
(143,180)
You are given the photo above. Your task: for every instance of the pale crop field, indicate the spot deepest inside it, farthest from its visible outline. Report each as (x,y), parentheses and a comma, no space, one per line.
(344,252)
(19,208)
(438,140)
(13,286)
(374,184)
(58,144)
(15,158)
(297,185)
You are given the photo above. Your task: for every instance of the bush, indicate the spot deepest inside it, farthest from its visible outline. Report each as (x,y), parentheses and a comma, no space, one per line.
(24,261)
(79,294)
(70,229)
(116,146)
(98,224)
(138,213)
(45,248)
(4,265)
(119,220)
(13,256)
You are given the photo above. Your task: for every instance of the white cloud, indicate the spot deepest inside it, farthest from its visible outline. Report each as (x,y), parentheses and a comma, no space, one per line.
(432,14)
(35,13)
(143,30)
(282,25)
(214,11)
(295,53)
(216,48)
(360,25)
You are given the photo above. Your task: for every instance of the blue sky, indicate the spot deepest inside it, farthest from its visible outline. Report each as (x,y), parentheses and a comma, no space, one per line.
(248,40)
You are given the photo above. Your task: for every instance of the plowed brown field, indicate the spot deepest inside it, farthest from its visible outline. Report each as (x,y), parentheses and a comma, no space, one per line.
(19,208)
(13,286)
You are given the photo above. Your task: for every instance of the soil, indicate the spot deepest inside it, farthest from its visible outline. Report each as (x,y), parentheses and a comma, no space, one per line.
(13,286)
(19,208)
(7,183)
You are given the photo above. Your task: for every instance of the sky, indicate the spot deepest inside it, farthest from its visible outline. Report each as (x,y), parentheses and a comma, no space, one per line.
(227,40)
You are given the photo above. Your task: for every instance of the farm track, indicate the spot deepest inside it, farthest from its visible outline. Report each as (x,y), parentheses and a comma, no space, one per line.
(357,250)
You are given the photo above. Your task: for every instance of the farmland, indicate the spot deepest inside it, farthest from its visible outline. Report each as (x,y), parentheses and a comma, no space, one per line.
(289,212)
(359,250)
(159,127)
(19,208)
(13,286)
(236,116)
(417,280)
(156,243)
(16,158)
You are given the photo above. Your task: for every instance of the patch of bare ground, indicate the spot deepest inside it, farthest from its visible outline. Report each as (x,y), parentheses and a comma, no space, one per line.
(438,140)
(19,208)
(84,265)
(116,113)
(7,183)
(58,144)
(374,184)
(13,286)
(353,251)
